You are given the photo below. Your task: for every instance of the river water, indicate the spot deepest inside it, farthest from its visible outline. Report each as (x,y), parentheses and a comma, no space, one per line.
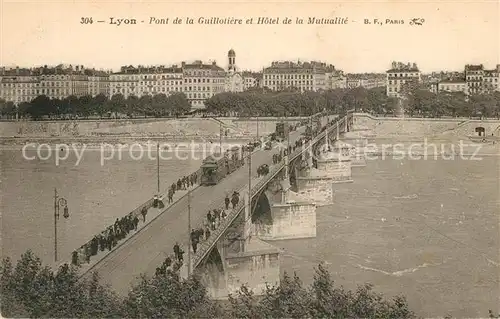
(425,229)
(96,194)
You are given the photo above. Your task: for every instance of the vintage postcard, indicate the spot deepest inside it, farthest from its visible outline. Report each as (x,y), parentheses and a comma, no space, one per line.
(233,159)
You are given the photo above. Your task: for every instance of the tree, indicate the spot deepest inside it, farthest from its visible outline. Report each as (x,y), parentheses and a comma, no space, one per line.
(32,290)
(145,104)
(22,108)
(86,108)
(100,102)
(169,296)
(133,105)
(7,109)
(178,103)
(40,106)
(288,300)
(321,300)
(117,104)
(160,105)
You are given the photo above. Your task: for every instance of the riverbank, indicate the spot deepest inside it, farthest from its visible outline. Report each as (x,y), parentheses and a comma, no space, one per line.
(190,142)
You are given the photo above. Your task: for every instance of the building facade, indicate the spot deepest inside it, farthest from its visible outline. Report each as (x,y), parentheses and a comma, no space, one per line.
(400,76)
(368,81)
(304,76)
(453,85)
(23,85)
(474,77)
(140,81)
(98,82)
(336,80)
(491,80)
(202,81)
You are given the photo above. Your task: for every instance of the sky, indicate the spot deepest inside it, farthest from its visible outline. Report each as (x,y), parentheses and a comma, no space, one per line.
(454,33)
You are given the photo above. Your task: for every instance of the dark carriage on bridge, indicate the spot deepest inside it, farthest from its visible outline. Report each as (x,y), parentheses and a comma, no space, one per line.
(212,171)
(280,131)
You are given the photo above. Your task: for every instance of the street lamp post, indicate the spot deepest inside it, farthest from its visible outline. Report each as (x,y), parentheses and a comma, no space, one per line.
(58,202)
(248,208)
(220,138)
(158,167)
(258,128)
(189,232)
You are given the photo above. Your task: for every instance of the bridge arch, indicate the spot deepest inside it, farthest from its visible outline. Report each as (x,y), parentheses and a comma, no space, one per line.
(212,274)
(262,213)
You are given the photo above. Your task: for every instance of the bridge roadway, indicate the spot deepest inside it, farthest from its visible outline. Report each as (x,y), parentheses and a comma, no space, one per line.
(147,249)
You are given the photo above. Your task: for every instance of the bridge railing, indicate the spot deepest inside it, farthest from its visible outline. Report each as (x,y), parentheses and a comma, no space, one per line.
(205,248)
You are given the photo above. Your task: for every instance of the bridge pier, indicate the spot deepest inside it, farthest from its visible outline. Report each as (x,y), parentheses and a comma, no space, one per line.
(357,151)
(291,216)
(240,259)
(336,166)
(255,267)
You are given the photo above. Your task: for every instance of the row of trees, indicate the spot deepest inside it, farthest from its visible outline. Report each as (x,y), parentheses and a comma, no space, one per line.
(42,106)
(423,102)
(419,101)
(28,289)
(294,103)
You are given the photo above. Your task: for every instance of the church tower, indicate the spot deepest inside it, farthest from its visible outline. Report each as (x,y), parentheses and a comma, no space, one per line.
(231,56)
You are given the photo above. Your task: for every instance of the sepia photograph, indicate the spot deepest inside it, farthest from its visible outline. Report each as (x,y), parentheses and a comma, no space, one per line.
(278,159)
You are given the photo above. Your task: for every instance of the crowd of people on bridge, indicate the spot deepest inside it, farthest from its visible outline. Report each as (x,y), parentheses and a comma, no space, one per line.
(182,184)
(109,238)
(172,263)
(215,218)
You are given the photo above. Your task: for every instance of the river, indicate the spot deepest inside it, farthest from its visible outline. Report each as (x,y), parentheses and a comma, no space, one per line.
(425,229)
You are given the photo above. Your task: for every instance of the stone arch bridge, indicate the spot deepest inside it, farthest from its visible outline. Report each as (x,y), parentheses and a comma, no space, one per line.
(278,208)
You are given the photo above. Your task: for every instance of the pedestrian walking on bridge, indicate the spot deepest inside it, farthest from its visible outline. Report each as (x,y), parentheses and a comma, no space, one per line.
(170,196)
(226,202)
(194,240)
(207,233)
(235,199)
(177,250)
(209,218)
(168,262)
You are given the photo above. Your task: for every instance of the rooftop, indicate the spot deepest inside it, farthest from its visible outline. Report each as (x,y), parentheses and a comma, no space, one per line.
(474,67)
(403,70)
(280,65)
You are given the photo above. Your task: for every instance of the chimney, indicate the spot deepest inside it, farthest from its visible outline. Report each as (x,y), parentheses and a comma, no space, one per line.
(76,68)
(394,65)
(214,63)
(183,64)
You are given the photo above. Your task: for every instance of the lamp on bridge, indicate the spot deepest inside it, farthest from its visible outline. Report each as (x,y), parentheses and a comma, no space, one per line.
(58,203)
